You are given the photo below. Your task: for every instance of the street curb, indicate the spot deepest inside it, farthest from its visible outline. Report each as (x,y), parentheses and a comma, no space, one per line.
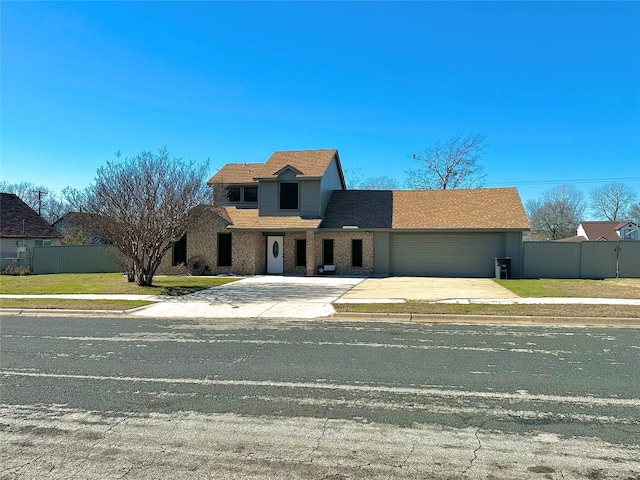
(374,317)
(50,312)
(488,319)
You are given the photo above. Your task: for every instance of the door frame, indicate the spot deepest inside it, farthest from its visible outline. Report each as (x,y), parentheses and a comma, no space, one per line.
(275,264)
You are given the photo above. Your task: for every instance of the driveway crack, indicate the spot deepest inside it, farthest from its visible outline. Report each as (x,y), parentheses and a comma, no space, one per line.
(319,439)
(475,452)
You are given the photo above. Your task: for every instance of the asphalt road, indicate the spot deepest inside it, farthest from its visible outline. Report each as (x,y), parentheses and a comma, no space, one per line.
(143,398)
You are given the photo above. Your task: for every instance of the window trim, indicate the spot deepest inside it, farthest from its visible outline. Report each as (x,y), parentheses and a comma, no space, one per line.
(244,190)
(229,189)
(280,193)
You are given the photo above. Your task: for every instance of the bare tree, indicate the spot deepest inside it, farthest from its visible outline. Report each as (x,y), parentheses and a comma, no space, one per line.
(450,164)
(613,201)
(557,214)
(141,205)
(354,176)
(42,200)
(379,183)
(219,194)
(634,213)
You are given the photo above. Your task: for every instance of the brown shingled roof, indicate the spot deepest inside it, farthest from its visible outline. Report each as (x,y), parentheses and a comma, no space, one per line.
(19,220)
(476,209)
(310,163)
(248,218)
(602,230)
(237,173)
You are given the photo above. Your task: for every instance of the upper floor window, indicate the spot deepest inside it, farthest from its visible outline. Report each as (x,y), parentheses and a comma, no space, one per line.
(250,194)
(242,194)
(233,194)
(288,196)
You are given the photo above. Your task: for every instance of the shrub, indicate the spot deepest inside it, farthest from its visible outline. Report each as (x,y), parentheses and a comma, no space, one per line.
(17,270)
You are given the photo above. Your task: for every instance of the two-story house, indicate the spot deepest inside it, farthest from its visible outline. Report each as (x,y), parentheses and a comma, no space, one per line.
(293,213)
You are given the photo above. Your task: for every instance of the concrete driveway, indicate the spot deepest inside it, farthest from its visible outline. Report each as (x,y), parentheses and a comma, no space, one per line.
(400,289)
(258,297)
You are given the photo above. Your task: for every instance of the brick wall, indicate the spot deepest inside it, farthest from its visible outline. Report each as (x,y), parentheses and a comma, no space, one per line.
(342,251)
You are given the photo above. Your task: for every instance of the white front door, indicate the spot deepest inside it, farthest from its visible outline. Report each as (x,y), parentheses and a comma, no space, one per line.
(275,260)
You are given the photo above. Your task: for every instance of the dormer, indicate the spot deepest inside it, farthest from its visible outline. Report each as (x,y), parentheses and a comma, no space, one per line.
(290,183)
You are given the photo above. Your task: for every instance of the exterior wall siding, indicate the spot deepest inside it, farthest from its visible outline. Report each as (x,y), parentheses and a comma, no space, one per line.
(309,198)
(381,253)
(268,198)
(330,182)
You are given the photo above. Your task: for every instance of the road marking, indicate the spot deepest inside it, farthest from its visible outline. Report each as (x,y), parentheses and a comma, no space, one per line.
(179,339)
(521,395)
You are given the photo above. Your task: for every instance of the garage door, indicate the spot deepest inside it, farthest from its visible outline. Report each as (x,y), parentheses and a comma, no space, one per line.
(446,255)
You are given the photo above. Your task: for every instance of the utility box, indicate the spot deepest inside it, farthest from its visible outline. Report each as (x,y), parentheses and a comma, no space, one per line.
(503,268)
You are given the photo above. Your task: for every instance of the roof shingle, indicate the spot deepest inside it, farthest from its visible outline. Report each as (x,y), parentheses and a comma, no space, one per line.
(19,220)
(476,209)
(310,163)
(248,218)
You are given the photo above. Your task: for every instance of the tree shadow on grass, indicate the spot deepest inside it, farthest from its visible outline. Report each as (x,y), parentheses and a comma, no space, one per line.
(178,290)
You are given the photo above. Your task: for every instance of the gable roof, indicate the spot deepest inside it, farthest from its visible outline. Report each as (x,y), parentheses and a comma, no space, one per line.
(602,230)
(19,220)
(307,164)
(471,209)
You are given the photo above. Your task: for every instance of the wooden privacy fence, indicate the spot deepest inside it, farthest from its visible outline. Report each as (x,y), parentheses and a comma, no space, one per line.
(76,259)
(581,259)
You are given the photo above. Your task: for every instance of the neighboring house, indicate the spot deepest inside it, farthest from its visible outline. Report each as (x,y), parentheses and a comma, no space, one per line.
(605,231)
(293,214)
(21,228)
(75,228)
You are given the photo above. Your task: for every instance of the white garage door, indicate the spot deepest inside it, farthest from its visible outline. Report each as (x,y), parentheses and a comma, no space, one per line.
(446,255)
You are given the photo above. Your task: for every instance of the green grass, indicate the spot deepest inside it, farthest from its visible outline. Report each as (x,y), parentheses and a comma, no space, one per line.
(66,304)
(548,287)
(605,311)
(104,283)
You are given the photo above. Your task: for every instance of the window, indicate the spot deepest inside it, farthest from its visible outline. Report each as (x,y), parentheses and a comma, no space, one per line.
(179,252)
(42,243)
(301,253)
(356,253)
(327,252)
(224,249)
(233,194)
(288,196)
(242,194)
(250,194)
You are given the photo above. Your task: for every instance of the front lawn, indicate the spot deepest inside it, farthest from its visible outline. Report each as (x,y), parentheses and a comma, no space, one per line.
(418,307)
(69,304)
(104,283)
(550,287)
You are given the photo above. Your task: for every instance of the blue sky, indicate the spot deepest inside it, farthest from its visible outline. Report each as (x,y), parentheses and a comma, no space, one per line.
(554,86)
